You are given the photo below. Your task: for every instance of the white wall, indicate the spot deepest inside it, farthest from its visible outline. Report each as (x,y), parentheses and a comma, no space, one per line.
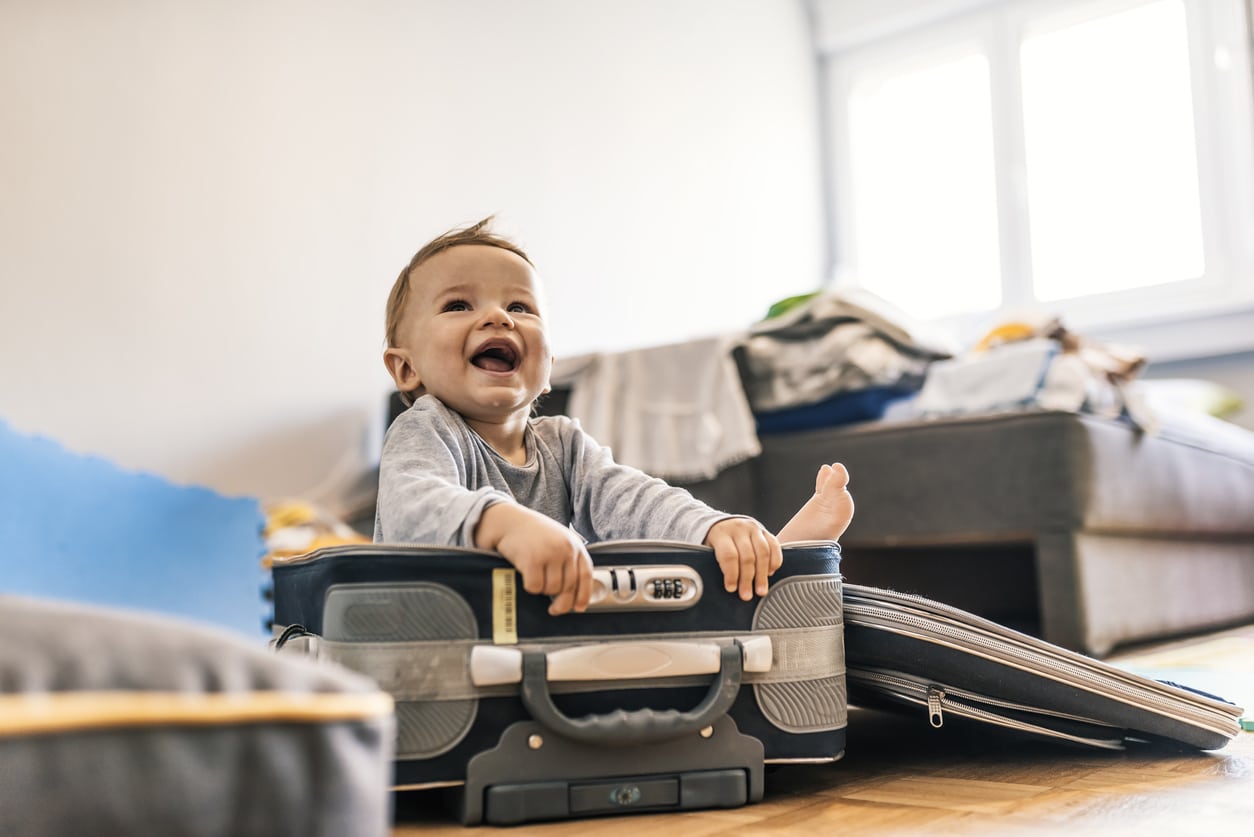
(839,24)
(203,205)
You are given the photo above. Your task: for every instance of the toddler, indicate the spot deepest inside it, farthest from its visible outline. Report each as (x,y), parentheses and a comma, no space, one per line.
(468,465)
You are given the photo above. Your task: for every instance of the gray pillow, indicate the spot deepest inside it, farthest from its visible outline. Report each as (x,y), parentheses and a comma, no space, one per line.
(118,722)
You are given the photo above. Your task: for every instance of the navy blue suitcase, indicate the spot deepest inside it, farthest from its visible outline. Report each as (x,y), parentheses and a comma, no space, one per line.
(668,693)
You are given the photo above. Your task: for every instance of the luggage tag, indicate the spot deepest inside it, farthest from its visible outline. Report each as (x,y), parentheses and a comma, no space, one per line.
(504,606)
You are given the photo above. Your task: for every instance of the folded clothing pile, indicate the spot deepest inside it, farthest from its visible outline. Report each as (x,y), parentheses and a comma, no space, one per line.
(835,342)
(1042,364)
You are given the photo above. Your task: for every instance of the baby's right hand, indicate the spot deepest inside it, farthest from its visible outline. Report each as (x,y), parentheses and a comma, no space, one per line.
(552,558)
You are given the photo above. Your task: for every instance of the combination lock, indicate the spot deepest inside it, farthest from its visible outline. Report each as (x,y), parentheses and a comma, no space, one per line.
(660,587)
(667,588)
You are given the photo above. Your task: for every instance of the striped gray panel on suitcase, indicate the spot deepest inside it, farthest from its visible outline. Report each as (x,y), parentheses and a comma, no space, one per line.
(404,612)
(396,613)
(805,705)
(425,730)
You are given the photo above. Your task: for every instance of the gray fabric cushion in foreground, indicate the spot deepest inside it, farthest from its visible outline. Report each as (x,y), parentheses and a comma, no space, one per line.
(118,722)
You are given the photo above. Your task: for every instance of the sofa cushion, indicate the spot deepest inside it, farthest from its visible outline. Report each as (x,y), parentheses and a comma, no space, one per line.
(1007,476)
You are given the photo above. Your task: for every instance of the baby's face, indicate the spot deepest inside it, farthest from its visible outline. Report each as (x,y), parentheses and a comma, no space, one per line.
(473,335)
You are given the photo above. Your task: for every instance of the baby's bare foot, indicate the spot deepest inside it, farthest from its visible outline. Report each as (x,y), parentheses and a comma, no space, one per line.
(826,515)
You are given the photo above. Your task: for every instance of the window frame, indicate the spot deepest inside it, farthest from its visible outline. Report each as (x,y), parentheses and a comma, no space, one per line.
(1213,314)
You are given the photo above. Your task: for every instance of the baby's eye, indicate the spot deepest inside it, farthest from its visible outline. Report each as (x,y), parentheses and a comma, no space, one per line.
(456,305)
(519,308)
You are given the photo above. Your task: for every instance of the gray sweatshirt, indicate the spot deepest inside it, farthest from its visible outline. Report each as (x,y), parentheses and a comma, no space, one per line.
(437,475)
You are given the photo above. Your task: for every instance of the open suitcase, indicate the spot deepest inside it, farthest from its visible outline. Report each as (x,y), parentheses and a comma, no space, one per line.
(909,652)
(668,693)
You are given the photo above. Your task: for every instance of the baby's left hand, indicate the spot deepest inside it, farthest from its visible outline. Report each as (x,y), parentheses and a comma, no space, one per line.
(747,554)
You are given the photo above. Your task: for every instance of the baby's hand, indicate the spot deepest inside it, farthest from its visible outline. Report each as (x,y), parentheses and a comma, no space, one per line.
(551,557)
(746,552)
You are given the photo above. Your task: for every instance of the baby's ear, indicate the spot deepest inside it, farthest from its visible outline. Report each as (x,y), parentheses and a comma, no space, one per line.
(548,376)
(403,373)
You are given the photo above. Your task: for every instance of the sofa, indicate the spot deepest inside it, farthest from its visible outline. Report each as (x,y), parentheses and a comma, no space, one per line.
(1082,530)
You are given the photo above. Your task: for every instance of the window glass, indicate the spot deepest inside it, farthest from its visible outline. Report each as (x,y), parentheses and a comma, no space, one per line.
(1109,146)
(924,194)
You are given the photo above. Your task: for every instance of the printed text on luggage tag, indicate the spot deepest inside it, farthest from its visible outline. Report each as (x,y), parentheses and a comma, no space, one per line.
(504,607)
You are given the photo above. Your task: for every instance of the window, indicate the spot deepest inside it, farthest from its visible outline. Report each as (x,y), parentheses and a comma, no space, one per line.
(1120,134)
(1091,157)
(951,210)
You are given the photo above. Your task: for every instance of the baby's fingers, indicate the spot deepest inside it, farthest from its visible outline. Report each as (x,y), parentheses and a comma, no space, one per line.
(756,549)
(583,582)
(555,577)
(561,587)
(575,590)
(753,557)
(776,553)
(533,577)
(562,603)
(728,559)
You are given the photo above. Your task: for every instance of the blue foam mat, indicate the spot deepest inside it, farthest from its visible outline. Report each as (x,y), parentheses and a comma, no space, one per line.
(80,528)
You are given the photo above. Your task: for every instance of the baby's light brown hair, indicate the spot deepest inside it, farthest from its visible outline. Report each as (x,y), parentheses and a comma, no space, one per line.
(477,233)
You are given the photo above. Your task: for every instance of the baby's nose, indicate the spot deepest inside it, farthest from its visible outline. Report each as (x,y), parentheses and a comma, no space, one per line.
(497,315)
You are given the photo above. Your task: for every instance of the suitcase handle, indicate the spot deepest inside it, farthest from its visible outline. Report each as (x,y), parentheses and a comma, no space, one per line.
(495,665)
(641,726)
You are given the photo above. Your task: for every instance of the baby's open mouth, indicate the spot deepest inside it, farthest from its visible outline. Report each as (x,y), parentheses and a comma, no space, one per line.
(496,356)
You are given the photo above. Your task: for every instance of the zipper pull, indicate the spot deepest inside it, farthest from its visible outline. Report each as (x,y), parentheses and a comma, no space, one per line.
(934,715)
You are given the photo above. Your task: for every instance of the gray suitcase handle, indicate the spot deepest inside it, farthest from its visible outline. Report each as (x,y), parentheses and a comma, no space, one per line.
(641,726)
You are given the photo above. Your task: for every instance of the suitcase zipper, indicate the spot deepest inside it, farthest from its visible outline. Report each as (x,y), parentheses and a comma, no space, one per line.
(613,547)
(596,548)
(934,715)
(940,700)
(329,551)
(975,713)
(919,684)
(616,547)
(1074,674)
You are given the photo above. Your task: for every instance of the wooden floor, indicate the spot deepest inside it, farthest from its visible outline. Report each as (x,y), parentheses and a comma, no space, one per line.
(900,776)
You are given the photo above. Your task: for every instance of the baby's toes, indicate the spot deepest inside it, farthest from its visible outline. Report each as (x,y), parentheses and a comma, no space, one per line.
(834,481)
(821,478)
